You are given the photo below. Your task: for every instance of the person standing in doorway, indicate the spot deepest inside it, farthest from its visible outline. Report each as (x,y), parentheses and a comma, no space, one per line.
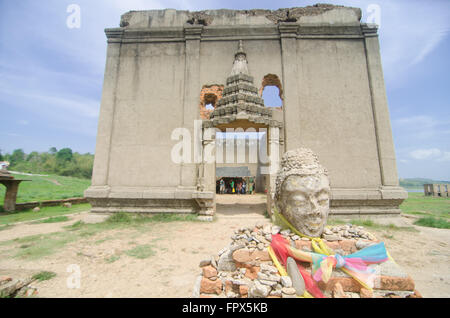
(232,186)
(222,186)
(244,186)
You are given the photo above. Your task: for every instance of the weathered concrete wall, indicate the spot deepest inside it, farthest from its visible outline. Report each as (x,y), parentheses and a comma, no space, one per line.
(336,114)
(334,102)
(149,95)
(218,56)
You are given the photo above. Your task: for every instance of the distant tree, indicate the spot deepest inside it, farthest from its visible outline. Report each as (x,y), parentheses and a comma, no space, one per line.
(53,150)
(64,154)
(63,162)
(1,156)
(17,156)
(84,164)
(33,156)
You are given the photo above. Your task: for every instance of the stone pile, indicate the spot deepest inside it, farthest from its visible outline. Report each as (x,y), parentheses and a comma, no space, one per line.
(347,231)
(10,287)
(245,269)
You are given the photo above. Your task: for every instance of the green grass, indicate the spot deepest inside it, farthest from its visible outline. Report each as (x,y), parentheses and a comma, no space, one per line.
(133,219)
(5,227)
(53,219)
(100,241)
(141,251)
(51,211)
(44,276)
(419,204)
(123,220)
(37,246)
(433,222)
(112,259)
(435,210)
(52,187)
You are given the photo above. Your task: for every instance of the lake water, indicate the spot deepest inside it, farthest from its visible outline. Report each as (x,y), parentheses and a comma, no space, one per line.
(414,190)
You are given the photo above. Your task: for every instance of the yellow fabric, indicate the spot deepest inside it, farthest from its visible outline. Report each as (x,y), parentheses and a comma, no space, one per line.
(318,245)
(307,295)
(282,271)
(280,268)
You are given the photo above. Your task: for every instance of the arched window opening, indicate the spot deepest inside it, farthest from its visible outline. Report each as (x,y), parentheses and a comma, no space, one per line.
(271,91)
(209,96)
(271,96)
(210,99)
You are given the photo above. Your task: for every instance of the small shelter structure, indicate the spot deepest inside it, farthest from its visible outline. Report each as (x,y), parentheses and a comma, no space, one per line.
(12,187)
(236,174)
(437,190)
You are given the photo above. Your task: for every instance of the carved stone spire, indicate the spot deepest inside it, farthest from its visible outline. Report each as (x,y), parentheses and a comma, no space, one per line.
(240,99)
(240,61)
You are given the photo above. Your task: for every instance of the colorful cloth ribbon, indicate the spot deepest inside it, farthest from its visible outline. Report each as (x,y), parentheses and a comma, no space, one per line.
(355,268)
(354,264)
(279,253)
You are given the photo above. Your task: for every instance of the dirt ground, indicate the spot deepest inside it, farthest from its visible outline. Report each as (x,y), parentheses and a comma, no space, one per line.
(179,247)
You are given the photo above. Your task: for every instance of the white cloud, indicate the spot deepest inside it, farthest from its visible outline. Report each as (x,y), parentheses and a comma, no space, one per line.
(80,106)
(421,127)
(434,40)
(47,102)
(430,154)
(406,36)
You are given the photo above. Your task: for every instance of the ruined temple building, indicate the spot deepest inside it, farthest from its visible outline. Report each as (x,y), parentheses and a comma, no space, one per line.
(164,66)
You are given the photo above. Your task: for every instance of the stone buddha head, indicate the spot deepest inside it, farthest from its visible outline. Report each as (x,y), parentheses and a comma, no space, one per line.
(302,191)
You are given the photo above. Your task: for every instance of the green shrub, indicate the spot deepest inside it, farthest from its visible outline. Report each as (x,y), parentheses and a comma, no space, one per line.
(433,222)
(44,276)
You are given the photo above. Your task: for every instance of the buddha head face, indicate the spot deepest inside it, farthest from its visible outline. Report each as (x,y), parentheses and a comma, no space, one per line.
(302,192)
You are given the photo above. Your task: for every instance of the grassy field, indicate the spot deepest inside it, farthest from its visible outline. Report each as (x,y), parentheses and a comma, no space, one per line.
(435,211)
(419,204)
(54,212)
(51,187)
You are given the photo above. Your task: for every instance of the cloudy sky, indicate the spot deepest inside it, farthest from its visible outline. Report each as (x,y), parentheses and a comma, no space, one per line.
(51,75)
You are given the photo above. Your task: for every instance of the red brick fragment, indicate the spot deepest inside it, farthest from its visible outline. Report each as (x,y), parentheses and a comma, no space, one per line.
(209,271)
(366,293)
(208,286)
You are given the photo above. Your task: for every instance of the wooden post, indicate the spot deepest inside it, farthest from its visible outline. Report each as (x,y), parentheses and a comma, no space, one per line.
(12,187)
